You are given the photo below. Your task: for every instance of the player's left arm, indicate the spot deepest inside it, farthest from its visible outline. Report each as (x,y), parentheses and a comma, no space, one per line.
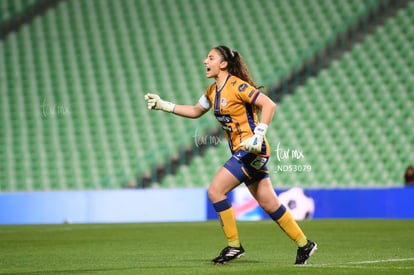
(267,106)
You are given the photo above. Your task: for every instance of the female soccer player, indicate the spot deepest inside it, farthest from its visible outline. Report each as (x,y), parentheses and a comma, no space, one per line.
(235,101)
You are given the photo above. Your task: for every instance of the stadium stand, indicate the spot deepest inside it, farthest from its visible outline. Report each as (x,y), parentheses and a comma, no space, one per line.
(9,9)
(353,122)
(73,80)
(16,13)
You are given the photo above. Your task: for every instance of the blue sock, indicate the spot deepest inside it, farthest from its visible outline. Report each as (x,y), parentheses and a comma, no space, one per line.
(222,205)
(278,213)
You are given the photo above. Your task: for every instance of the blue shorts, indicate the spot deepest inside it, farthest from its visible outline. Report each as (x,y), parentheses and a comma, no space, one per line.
(247,167)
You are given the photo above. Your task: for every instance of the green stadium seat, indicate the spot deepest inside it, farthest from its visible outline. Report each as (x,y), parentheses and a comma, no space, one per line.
(100,57)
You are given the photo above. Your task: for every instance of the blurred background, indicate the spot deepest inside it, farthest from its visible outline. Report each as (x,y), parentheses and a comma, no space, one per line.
(73,74)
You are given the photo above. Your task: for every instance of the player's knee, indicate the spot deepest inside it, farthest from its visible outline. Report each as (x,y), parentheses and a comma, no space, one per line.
(211,193)
(269,206)
(215,194)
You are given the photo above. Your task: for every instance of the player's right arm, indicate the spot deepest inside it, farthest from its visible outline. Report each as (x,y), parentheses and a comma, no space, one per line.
(191,111)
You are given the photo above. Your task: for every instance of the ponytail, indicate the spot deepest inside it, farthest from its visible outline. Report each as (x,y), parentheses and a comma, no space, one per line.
(236,65)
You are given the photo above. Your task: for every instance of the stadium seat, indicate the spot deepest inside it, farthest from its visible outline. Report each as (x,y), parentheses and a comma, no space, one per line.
(98,58)
(348,117)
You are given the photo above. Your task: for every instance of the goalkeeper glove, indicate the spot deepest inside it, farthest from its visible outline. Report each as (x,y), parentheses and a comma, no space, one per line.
(254,144)
(155,102)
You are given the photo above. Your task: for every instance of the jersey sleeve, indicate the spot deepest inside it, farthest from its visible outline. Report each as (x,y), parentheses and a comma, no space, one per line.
(204,102)
(207,97)
(247,93)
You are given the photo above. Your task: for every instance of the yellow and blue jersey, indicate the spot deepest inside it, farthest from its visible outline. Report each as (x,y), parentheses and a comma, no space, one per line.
(233,106)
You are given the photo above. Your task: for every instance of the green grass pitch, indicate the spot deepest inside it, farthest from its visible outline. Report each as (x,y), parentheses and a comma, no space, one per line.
(345,247)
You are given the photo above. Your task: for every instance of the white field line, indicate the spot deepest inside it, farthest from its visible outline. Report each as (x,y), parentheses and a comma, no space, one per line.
(383,261)
(367,264)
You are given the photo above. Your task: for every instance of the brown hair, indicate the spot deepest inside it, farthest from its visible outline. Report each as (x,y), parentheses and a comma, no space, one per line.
(236,65)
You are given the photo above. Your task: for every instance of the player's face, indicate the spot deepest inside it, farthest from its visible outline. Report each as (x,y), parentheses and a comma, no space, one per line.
(214,64)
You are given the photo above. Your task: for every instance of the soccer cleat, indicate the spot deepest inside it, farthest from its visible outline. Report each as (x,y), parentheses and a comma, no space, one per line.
(305,252)
(229,253)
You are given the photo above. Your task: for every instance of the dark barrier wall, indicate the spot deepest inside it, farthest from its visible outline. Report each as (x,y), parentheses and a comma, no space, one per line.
(393,203)
(381,203)
(179,205)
